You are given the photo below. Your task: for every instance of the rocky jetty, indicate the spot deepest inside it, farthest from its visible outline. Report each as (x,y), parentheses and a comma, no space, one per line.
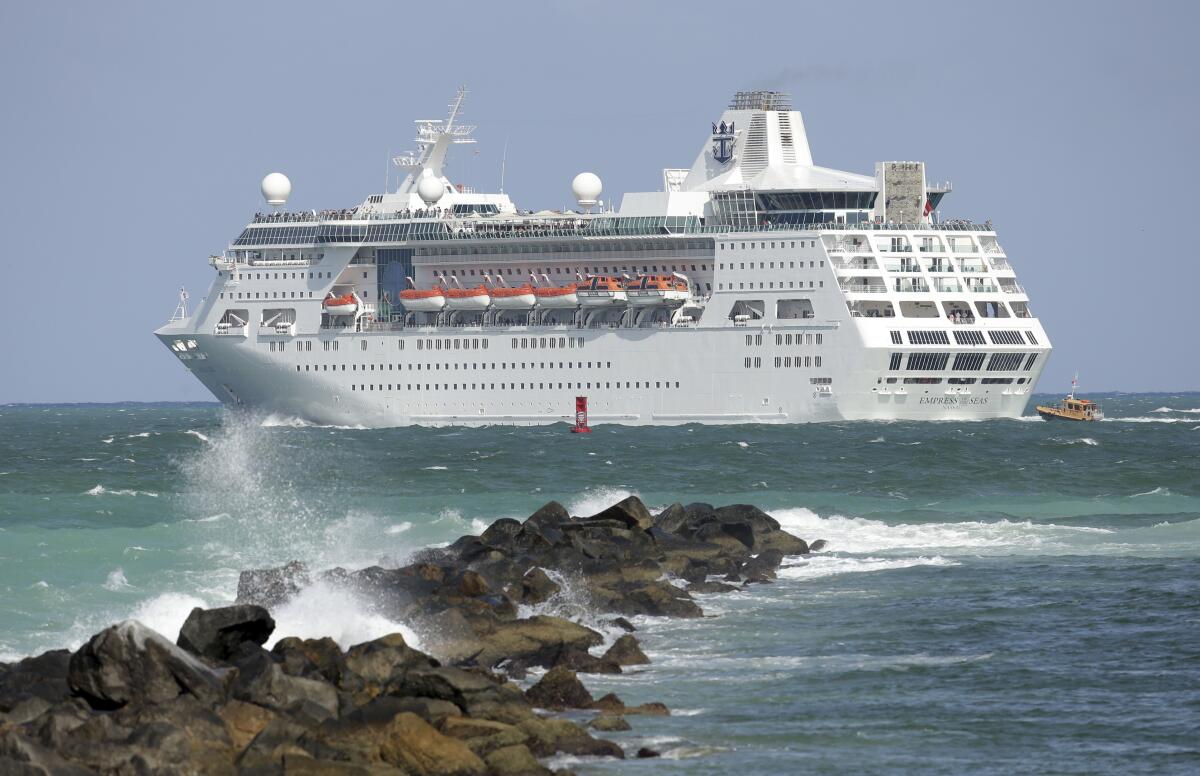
(217,701)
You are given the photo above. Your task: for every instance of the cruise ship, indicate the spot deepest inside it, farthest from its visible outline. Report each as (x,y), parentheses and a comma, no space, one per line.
(754,287)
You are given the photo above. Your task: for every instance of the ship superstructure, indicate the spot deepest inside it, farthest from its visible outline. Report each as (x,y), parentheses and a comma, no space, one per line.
(754,287)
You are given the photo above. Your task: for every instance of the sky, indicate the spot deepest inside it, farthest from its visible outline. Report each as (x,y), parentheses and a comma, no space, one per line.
(135,136)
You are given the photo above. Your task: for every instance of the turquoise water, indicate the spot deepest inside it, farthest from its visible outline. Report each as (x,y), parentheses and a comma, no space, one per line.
(1002,596)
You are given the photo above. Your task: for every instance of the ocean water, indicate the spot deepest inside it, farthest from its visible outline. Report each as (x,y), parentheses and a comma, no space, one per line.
(996,597)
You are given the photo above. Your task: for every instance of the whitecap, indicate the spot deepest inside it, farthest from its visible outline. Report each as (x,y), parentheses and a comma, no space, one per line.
(198,435)
(116,580)
(876,439)
(1159,491)
(41,584)
(865,536)
(108,441)
(435,468)
(1194,410)
(819,566)
(100,490)
(1146,420)
(399,528)
(743,444)
(143,435)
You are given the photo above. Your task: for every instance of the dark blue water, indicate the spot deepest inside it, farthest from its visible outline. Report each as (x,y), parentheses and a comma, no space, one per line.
(1002,596)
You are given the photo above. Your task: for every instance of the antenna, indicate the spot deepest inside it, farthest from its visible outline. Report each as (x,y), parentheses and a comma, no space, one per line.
(503,163)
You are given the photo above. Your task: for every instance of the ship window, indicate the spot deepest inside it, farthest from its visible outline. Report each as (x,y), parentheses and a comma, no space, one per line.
(898,340)
(1005,362)
(747,362)
(927,361)
(894,363)
(1032,339)
(362,345)
(968,362)
(1029,361)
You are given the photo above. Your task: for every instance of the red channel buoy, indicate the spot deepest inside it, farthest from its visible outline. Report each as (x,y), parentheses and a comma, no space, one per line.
(581,424)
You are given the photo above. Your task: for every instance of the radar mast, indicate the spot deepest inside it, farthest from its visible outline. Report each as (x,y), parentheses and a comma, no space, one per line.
(434,138)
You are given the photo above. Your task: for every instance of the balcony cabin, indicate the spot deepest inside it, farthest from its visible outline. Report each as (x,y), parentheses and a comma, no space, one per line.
(962,244)
(893,245)
(931,245)
(863,284)
(854,262)
(989,245)
(937,264)
(1021,310)
(971,265)
(947,285)
(910,285)
(902,264)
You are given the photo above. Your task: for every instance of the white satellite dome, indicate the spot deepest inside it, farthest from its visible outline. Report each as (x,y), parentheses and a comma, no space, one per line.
(430,189)
(587,187)
(276,188)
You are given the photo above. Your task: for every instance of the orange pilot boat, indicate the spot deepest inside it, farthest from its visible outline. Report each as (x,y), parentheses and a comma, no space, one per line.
(1071,408)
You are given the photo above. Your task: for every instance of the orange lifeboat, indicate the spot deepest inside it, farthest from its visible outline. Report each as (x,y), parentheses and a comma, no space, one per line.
(346,304)
(601,291)
(519,298)
(557,297)
(476,298)
(416,300)
(650,290)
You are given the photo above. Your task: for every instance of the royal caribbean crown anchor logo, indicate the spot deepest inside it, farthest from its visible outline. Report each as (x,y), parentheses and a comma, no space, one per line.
(722,139)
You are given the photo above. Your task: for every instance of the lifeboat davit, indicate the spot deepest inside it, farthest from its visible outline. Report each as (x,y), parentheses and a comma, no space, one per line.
(416,300)
(476,298)
(557,297)
(520,298)
(649,290)
(346,304)
(601,291)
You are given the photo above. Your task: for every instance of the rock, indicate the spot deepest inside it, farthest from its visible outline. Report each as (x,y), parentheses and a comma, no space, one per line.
(743,532)
(548,736)
(43,677)
(818,545)
(609,723)
(272,587)
(412,744)
(483,736)
(129,662)
(271,745)
(711,587)
(473,694)
(759,521)
(385,659)
(611,704)
(311,658)
(622,623)
(537,586)
(655,599)
(244,721)
(515,760)
(559,689)
(262,681)
(646,752)
(21,757)
(629,511)
(533,641)
(217,633)
(625,651)
(472,585)
(671,519)
(585,663)
(552,513)
(761,568)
